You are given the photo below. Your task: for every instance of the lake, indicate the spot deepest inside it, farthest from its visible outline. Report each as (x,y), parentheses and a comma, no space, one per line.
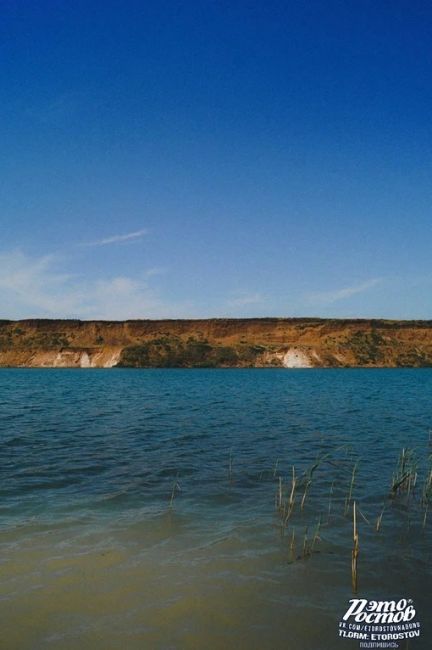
(211,509)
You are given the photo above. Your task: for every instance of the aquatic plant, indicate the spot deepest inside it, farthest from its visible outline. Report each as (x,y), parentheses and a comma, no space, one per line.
(405,475)
(279,495)
(427,487)
(330,501)
(379,519)
(316,537)
(355,552)
(230,467)
(291,501)
(351,487)
(175,488)
(306,551)
(342,477)
(292,545)
(425,515)
(308,483)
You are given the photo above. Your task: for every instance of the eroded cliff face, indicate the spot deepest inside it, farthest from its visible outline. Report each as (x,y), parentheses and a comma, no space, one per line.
(260,342)
(63,358)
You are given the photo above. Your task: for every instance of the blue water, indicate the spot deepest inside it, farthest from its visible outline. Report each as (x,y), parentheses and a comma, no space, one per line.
(173,474)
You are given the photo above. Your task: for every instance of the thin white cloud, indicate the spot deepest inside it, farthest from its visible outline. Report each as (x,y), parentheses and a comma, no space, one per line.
(246,299)
(37,287)
(155,270)
(329,297)
(115,239)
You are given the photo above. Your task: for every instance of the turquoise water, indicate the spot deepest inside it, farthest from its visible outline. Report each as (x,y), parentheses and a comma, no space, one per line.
(138,507)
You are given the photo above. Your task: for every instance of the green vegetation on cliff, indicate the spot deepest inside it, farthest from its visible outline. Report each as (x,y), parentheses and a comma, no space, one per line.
(173,352)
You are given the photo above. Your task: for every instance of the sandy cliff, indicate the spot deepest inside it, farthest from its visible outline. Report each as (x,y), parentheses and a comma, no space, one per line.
(255,342)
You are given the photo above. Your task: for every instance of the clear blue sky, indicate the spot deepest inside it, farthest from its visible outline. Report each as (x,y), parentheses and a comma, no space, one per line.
(214,158)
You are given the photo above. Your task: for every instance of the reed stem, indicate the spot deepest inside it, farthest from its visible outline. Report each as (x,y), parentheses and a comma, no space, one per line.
(355,552)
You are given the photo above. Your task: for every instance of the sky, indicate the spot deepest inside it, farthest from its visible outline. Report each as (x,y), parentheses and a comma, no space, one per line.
(167,159)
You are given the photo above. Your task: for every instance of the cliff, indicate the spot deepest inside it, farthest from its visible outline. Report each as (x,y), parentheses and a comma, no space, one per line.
(252,342)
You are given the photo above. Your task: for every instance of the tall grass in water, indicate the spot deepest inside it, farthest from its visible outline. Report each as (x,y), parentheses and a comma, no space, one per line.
(344,488)
(355,552)
(427,492)
(330,502)
(305,552)
(292,497)
(316,537)
(279,495)
(427,488)
(405,476)
(230,467)
(176,488)
(292,545)
(351,488)
(307,485)
(379,519)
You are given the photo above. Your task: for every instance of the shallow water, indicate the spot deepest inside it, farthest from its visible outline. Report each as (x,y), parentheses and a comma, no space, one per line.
(137,507)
